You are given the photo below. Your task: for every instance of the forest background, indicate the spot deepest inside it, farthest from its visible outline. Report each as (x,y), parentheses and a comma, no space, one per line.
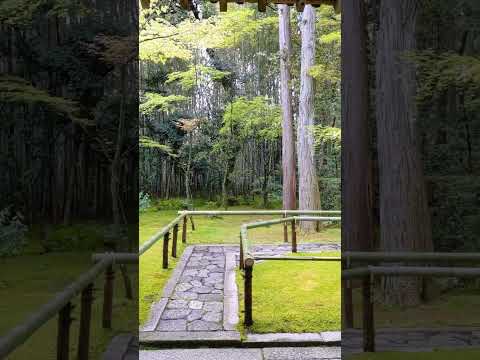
(210,113)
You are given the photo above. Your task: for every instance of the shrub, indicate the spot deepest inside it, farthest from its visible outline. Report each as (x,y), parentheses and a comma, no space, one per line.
(12,233)
(144,201)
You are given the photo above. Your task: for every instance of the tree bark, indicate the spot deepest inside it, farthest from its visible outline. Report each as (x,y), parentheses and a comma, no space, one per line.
(289,168)
(309,194)
(357,212)
(404,215)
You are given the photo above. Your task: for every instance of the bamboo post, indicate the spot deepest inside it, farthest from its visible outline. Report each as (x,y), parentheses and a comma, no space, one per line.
(166,237)
(294,237)
(174,241)
(368,318)
(285,230)
(241,253)
(184,230)
(63,336)
(85,317)
(347,299)
(262,5)
(223,5)
(248,292)
(108,298)
(192,223)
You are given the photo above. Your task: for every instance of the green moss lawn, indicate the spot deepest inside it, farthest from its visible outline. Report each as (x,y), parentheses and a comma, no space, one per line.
(294,296)
(471,354)
(30,280)
(209,230)
(442,311)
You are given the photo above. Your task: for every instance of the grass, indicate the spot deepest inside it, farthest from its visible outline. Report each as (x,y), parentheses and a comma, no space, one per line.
(30,280)
(443,311)
(294,296)
(470,354)
(224,230)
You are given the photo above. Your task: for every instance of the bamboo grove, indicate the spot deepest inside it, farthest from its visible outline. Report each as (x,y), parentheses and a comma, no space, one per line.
(210,108)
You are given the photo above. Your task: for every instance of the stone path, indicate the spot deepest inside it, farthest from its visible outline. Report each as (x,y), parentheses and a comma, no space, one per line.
(202,295)
(284,353)
(420,339)
(197,301)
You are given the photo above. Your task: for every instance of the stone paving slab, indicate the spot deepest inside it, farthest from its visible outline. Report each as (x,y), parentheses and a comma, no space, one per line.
(302,353)
(122,347)
(417,339)
(202,354)
(184,338)
(307,353)
(331,338)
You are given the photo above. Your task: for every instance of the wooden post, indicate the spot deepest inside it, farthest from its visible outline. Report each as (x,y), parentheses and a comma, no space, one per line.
(262,5)
(108,298)
(347,299)
(248,293)
(348,303)
(192,223)
(241,253)
(223,5)
(368,318)
(184,230)
(294,237)
(174,241)
(285,230)
(166,237)
(85,317)
(63,336)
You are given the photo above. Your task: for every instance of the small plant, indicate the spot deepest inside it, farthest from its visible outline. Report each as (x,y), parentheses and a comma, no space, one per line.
(144,201)
(12,232)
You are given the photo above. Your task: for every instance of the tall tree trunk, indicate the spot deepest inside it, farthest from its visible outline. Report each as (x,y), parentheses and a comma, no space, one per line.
(116,162)
(404,214)
(357,232)
(309,194)
(289,168)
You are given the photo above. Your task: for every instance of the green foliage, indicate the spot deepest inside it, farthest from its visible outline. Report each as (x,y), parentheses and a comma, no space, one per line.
(255,118)
(12,233)
(17,90)
(22,12)
(146,142)
(334,36)
(326,135)
(330,194)
(194,75)
(439,71)
(154,101)
(143,201)
(242,24)
(325,73)
(84,237)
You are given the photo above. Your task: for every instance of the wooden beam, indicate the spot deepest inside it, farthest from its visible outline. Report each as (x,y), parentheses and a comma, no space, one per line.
(300,5)
(262,5)
(185,4)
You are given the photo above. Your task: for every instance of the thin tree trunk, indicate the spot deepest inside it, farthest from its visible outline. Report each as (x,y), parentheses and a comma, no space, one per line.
(404,215)
(288,141)
(309,194)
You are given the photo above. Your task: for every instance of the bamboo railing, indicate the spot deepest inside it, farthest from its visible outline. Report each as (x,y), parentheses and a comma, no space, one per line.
(61,304)
(367,275)
(247,257)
